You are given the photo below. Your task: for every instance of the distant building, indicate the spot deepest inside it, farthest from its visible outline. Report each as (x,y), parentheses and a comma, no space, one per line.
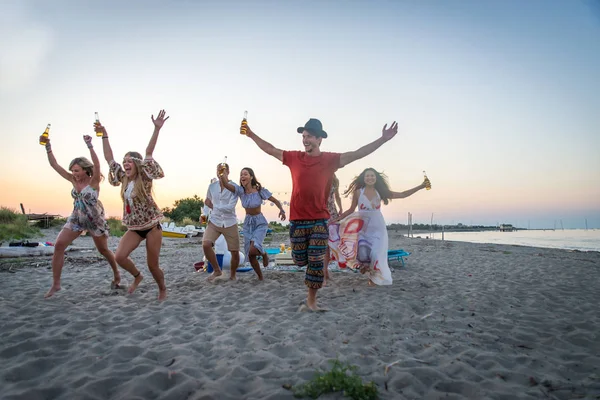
(506,228)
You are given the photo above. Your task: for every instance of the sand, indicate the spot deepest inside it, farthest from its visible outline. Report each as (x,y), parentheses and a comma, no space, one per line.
(464,321)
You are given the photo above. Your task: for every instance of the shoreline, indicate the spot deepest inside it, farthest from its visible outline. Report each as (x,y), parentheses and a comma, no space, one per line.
(463,320)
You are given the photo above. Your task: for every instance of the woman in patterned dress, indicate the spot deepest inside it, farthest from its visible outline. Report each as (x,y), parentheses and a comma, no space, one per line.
(369,190)
(141,215)
(88,212)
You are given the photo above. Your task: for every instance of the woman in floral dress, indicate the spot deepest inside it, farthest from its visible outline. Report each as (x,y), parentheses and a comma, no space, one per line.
(88,212)
(141,215)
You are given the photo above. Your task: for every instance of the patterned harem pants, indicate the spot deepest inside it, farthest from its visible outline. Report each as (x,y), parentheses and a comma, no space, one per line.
(308,240)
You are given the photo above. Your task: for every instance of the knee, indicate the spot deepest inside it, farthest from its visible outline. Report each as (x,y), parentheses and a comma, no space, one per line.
(121,258)
(154,267)
(206,247)
(103,250)
(60,246)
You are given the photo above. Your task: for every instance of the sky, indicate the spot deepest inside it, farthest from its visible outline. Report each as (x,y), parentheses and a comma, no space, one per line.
(496,100)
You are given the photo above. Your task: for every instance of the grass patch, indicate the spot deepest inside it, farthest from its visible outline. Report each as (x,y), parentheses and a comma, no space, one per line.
(341,378)
(187,221)
(116,227)
(7,215)
(15,226)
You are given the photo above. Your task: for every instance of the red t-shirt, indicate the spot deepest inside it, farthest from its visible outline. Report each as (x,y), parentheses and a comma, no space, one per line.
(311,182)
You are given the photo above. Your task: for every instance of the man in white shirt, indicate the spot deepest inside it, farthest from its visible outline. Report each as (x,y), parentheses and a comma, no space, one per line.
(223,221)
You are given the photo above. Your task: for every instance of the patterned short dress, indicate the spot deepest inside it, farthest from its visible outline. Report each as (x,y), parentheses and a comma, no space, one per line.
(88,213)
(139,213)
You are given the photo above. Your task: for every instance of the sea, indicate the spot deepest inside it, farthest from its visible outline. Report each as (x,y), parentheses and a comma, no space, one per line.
(571,239)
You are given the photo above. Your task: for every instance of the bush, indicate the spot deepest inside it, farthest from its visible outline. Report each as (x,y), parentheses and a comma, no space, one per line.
(341,378)
(116,226)
(277,227)
(185,208)
(188,221)
(15,226)
(7,215)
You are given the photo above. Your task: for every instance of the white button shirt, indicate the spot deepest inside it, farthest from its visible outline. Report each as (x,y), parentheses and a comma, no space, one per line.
(224,202)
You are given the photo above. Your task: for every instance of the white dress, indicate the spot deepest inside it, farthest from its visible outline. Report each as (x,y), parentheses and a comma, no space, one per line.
(361,238)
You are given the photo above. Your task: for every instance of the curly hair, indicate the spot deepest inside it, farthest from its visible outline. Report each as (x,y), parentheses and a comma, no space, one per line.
(381,185)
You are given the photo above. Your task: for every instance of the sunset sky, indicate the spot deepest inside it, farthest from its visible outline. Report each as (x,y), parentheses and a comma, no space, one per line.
(499,101)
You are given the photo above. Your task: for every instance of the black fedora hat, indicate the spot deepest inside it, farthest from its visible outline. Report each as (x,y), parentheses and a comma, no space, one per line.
(315,128)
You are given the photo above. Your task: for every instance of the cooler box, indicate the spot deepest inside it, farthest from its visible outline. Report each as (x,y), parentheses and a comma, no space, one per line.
(209,267)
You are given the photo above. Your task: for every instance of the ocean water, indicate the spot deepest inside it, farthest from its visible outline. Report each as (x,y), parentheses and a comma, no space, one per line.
(572,239)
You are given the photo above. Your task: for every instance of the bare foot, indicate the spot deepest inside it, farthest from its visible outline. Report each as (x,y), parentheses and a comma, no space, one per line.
(371,283)
(214,275)
(136,282)
(304,307)
(162,295)
(52,290)
(265,257)
(116,283)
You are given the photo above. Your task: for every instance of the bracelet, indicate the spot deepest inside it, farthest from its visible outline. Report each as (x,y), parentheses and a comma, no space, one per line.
(90,147)
(104,137)
(49,151)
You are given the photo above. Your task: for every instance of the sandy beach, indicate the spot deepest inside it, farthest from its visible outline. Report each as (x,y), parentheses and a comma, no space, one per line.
(462,321)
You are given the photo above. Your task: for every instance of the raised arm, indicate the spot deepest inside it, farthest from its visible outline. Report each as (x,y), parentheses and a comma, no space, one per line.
(264,145)
(108,154)
(96,175)
(224,178)
(61,171)
(352,208)
(158,124)
(386,135)
(409,192)
(278,204)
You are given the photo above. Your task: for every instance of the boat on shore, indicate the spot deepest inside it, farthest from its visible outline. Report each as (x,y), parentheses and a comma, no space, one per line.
(171,231)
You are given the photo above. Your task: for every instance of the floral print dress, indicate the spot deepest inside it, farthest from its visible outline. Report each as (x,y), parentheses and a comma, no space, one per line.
(139,213)
(88,213)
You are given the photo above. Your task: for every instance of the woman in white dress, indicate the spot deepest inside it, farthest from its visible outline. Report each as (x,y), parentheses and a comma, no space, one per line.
(362,239)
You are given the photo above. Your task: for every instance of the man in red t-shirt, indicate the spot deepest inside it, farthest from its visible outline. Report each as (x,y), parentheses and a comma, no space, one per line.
(312,172)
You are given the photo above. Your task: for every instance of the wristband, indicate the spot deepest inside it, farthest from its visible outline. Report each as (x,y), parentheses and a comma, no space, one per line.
(104,137)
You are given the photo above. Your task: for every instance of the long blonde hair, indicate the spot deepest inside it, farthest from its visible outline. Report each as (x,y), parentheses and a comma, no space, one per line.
(139,190)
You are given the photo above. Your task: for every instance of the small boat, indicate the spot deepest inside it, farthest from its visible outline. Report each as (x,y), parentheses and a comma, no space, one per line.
(174,234)
(172,231)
